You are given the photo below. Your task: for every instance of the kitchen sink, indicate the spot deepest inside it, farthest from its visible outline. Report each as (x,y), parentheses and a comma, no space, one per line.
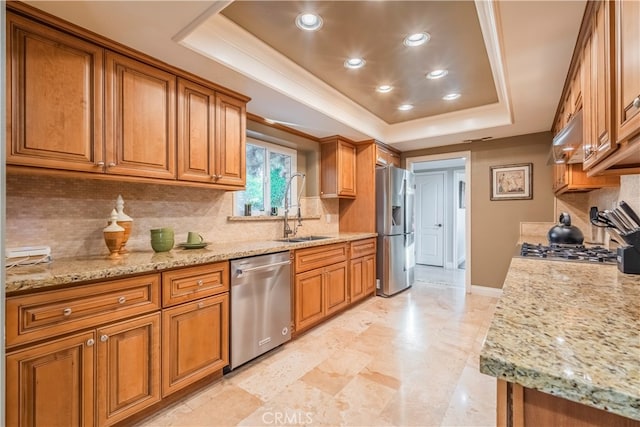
(303,239)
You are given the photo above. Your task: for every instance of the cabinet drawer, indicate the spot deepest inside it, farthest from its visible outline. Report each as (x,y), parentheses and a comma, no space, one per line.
(37,316)
(363,247)
(188,284)
(308,259)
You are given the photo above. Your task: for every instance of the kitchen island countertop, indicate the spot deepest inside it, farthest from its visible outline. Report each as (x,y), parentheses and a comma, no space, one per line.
(85,269)
(571,330)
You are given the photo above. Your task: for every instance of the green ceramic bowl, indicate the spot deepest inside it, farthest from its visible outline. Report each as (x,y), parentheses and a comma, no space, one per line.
(162,245)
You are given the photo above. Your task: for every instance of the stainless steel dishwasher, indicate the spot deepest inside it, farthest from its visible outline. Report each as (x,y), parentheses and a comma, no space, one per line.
(260,305)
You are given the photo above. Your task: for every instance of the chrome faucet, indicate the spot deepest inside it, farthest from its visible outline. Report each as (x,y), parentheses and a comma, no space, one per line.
(287,228)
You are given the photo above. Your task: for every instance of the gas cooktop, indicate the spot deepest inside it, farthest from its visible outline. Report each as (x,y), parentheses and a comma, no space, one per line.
(580,253)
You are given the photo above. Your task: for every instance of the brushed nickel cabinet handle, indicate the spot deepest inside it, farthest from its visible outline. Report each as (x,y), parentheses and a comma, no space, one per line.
(112,164)
(200,282)
(104,338)
(66,311)
(200,305)
(90,342)
(122,300)
(100,164)
(636,102)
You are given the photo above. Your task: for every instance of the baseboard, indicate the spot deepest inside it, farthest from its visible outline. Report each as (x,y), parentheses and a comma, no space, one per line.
(449,265)
(486,291)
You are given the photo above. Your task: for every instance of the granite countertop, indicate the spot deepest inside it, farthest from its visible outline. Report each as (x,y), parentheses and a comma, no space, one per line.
(569,329)
(85,269)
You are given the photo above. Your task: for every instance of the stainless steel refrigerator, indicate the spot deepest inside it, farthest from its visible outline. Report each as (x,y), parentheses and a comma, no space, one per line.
(395,197)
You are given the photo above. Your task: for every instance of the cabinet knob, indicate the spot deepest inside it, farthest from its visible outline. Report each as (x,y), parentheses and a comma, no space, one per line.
(200,305)
(200,282)
(90,342)
(100,164)
(636,102)
(122,300)
(112,164)
(104,338)
(66,311)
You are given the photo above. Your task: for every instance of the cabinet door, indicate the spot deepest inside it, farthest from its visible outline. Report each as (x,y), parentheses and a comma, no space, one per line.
(337,292)
(559,176)
(357,279)
(196,132)
(628,69)
(309,298)
(52,384)
(346,170)
(195,341)
(54,98)
(128,368)
(231,127)
(140,119)
(369,274)
(601,85)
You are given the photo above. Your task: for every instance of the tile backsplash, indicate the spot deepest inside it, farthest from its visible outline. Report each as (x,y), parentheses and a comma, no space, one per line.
(69,214)
(578,204)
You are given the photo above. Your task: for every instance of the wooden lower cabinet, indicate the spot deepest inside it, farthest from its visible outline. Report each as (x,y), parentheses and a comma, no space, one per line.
(320,293)
(309,298)
(114,370)
(195,341)
(52,384)
(362,280)
(128,368)
(337,291)
(519,406)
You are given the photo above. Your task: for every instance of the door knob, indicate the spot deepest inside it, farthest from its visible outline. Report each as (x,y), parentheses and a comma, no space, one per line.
(438,225)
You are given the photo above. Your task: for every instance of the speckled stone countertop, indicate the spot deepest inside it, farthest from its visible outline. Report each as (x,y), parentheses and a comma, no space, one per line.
(569,329)
(76,270)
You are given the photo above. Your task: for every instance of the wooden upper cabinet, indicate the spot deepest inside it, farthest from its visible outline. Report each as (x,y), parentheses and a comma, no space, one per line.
(54,98)
(196,132)
(571,178)
(601,86)
(231,125)
(386,157)
(337,168)
(211,136)
(140,118)
(627,38)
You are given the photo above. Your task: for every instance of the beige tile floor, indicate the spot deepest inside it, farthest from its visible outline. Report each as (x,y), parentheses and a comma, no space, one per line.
(407,360)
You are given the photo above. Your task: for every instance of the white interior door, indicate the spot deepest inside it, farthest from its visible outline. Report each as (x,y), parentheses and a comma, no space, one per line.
(429,219)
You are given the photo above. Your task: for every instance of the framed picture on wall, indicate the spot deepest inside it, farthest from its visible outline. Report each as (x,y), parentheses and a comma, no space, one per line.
(512,182)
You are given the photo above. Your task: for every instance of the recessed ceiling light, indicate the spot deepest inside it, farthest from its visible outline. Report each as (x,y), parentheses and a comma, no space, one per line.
(451,96)
(354,63)
(416,39)
(405,107)
(308,21)
(437,74)
(384,88)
